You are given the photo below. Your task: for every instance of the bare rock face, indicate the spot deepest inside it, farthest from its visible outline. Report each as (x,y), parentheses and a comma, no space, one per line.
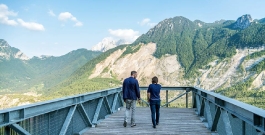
(243,22)
(7,52)
(220,73)
(108,43)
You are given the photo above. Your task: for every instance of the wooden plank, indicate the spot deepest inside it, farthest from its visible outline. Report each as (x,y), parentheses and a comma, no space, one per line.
(172,121)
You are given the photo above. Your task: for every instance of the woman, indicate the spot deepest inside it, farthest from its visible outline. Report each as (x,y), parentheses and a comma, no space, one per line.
(153,96)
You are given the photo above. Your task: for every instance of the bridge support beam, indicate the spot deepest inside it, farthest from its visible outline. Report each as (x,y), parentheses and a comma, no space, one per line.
(228,128)
(216,119)
(208,114)
(114,102)
(81,109)
(68,120)
(107,105)
(121,99)
(198,103)
(19,129)
(201,113)
(95,119)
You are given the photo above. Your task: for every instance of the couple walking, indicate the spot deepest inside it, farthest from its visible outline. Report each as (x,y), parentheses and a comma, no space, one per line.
(131,93)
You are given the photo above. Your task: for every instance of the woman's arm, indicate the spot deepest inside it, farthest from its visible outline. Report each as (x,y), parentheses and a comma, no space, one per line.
(148,96)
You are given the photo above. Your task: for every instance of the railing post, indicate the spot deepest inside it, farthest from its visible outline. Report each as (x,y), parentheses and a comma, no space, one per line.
(187,98)
(193,99)
(166,98)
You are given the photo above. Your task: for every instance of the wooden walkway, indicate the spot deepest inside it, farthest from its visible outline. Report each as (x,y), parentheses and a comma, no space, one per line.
(173,121)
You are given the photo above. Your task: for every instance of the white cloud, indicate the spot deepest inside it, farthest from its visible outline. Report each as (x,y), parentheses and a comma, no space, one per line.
(78,24)
(31,25)
(68,16)
(51,13)
(147,22)
(5,13)
(127,34)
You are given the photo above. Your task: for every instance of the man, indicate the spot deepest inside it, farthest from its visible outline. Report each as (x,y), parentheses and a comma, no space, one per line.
(131,93)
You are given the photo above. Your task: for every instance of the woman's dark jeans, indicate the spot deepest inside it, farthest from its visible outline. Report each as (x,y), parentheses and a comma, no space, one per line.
(155,107)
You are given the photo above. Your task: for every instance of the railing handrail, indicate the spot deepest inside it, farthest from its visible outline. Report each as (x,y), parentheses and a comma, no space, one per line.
(168,87)
(54,100)
(237,103)
(240,104)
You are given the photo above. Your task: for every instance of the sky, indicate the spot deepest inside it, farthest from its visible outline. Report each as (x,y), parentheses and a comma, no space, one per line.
(56,27)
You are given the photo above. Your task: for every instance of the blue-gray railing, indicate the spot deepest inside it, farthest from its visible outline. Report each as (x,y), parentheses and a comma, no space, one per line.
(73,115)
(227,116)
(70,115)
(221,114)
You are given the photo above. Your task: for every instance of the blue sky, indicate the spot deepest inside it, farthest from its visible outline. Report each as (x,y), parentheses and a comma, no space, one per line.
(56,27)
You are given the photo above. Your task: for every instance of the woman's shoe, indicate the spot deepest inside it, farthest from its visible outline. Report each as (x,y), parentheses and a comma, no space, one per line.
(156,123)
(154,126)
(133,125)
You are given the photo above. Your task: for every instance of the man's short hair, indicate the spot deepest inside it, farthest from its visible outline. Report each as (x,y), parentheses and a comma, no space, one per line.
(133,72)
(154,79)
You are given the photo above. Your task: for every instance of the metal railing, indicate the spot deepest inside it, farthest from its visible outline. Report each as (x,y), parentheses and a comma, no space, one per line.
(221,114)
(70,115)
(227,116)
(73,115)
(185,92)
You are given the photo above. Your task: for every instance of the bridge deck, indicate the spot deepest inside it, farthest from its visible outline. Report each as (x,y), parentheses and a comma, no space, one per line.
(182,121)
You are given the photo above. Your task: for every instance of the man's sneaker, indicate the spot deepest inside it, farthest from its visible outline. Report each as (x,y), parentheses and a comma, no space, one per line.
(156,123)
(133,125)
(125,124)
(154,126)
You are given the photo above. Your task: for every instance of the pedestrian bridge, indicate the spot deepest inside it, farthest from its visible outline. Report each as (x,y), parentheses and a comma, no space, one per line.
(102,112)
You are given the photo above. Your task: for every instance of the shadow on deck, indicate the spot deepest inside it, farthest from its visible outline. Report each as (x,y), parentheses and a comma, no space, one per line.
(181,121)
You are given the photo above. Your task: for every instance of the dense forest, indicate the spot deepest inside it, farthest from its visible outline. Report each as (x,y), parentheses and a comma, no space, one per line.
(197,43)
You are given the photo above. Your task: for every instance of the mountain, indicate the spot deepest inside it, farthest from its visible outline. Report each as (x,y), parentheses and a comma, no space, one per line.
(52,70)
(108,43)
(196,46)
(181,53)
(7,52)
(104,45)
(243,21)
(261,20)
(38,73)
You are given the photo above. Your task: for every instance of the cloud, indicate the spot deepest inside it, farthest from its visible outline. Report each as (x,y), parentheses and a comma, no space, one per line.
(31,25)
(5,13)
(51,13)
(146,21)
(127,34)
(64,16)
(78,24)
